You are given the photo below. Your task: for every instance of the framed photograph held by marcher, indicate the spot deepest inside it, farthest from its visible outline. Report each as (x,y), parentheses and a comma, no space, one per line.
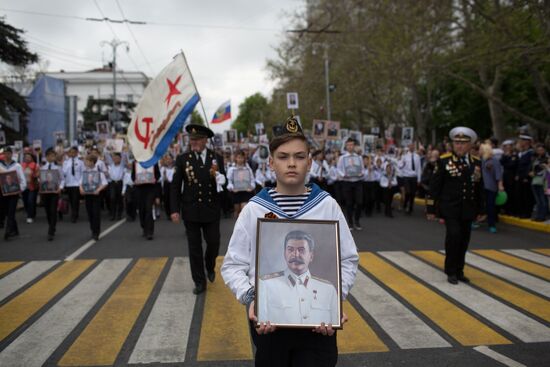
(49,181)
(9,183)
(298,275)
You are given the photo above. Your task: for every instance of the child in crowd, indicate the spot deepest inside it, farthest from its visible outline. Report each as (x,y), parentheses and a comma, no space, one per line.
(92,183)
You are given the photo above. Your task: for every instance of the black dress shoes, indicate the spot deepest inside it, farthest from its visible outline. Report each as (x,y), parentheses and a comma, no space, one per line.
(212,276)
(199,288)
(452,279)
(463,279)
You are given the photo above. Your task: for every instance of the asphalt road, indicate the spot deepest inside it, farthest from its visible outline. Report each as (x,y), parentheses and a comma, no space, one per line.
(126,300)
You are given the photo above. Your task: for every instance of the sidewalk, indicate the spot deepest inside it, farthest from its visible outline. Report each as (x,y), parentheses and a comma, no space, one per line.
(523,223)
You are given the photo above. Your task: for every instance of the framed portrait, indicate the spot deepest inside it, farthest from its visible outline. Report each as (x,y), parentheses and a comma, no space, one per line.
(332,130)
(260,129)
(144,177)
(231,136)
(344,133)
(218,140)
(49,181)
(9,183)
(357,136)
(91,180)
(2,137)
(241,179)
(102,128)
(298,276)
(59,137)
(37,144)
(407,135)
(114,145)
(353,166)
(318,131)
(292,100)
(368,143)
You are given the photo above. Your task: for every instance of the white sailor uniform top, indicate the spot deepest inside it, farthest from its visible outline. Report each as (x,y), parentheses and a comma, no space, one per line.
(286,298)
(239,269)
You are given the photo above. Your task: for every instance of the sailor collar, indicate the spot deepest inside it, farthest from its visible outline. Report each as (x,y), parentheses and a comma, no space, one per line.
(264,199)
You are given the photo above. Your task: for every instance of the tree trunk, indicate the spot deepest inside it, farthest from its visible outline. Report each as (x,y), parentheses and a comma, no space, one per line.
(494,90)
(418,117)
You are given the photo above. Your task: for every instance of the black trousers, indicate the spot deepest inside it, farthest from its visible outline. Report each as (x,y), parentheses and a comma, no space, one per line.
(9,206)
(457,238)
(74,201)
(387,194)
(145,195)
(410,184)
(369,196)
(198,261)
(353,195)
(93,208)
(130,202)
(115,197)
(294,348)
(166,199)
(49,201)
(525,198)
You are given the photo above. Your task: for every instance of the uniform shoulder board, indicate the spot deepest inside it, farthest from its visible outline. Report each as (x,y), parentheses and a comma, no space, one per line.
(446,155)
(321,280)
(272,275)
(475,157)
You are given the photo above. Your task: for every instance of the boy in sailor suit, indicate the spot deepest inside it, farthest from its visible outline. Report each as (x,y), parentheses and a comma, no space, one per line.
(290,161)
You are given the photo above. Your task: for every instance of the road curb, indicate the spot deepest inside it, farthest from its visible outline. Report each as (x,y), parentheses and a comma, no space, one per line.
(523,223)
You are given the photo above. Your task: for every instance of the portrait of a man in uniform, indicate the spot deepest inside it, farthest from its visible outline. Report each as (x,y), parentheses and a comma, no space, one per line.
(296,295)
(9,183)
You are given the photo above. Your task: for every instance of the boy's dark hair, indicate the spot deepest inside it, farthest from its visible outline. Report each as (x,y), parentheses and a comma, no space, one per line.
(117,154)
(277,141)
(50,151)
(92,158)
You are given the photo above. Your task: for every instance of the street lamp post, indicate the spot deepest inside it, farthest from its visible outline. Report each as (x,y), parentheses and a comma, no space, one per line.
(114,44)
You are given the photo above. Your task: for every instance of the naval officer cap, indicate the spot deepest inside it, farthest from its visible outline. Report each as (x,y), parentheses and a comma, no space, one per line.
(463,134)
(291,126)
(199,131)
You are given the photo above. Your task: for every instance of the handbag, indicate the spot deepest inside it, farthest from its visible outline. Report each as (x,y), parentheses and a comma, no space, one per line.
(537,181)
(63,205)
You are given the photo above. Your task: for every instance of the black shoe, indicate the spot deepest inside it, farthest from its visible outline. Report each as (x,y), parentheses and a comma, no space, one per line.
(73,220)
(95,237)
(50,237)
(463,279)
(149,237)
(211,276)
(112,219)
(452,279)
(199,288)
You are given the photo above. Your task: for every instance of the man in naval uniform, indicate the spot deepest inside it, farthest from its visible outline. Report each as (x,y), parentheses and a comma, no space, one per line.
(456,188)
(293,296)
(194,194)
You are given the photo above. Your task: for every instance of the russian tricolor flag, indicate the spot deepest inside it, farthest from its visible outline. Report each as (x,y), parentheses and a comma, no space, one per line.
(223,113)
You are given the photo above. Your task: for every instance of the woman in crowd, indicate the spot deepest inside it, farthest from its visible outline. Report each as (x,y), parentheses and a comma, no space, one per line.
(538,174)
(31,170)
(491,170)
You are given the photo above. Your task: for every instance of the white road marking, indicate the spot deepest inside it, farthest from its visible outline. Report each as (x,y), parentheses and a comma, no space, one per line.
(531,256)
(505,272)
(49,331)
(89,244)
(165,335)
(498,357)
(404,327)
(514,322)
(12,282)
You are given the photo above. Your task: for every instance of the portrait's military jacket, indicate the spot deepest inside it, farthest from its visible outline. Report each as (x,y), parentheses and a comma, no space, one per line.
(285,298)
(194,189)
(456,188)
(238,269)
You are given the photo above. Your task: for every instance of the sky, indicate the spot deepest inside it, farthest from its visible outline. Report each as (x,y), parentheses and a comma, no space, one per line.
(226,43)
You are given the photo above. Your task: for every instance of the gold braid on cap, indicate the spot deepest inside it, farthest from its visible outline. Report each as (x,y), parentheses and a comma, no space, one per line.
(292,125)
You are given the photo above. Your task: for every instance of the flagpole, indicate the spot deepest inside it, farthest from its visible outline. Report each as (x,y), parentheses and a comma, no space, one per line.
(197,89)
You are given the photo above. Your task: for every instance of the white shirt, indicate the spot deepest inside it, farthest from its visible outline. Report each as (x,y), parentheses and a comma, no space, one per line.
(319,169)
(406,165)
(14,166)
(166,174)
(70,179)
(116,172)
(231,177)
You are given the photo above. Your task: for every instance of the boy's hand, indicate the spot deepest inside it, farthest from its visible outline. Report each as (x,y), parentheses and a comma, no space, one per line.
(328,330)
(263,328)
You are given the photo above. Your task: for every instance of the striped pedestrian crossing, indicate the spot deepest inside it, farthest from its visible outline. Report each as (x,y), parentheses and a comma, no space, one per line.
(142,311)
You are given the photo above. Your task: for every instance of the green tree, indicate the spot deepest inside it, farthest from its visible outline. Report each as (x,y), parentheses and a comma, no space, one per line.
(252,110)
(196,118)
(13,51)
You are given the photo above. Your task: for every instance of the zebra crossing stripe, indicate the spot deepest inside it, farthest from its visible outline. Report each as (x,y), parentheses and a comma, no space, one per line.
(525,280)
(460,325)
(528,255)
(521,326)
(18,310)
(103,337)
(506,291)
(12,282)
(544,251)
(391,315)
(48,332)
(166,332)
(512,261)
(8,265)
(224,331)
(358,336)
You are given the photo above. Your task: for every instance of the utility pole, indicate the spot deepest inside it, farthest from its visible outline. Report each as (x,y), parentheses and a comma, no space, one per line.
(114,44)
(327,81)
